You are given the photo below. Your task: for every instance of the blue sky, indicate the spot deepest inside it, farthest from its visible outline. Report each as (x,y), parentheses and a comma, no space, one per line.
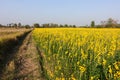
(78,12)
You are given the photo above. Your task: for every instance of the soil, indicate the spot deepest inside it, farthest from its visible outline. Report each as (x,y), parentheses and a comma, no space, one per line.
(24,64)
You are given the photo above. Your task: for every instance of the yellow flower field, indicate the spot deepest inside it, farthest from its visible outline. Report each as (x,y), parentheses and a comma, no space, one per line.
(79,53)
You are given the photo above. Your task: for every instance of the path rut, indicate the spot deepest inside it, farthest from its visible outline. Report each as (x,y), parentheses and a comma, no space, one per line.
(25,64)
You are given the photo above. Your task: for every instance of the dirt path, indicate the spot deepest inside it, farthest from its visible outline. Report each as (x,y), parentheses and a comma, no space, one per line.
(25,65)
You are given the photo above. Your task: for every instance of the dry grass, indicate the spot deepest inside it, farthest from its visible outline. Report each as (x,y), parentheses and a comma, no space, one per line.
(8,39)
(11,32)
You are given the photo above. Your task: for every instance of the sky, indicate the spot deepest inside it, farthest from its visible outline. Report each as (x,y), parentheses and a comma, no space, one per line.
(72,12)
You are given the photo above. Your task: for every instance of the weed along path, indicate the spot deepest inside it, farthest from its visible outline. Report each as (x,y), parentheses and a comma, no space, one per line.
(25,63)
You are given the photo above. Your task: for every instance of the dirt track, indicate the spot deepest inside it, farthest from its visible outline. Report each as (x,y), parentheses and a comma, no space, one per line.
(25,63)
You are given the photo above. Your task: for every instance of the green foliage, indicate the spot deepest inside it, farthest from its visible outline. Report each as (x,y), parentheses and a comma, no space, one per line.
(36,25)
(19,24)
(27,26)
(92,24)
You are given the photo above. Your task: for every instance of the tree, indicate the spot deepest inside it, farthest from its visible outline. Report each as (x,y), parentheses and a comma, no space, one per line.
(36,25)
(65,25)
(74,26)
(53,25)
(103,23)
(19,25)
(10,25)
(46,25)
(118,26)
(27,26)
(61,25)
(15,25)
(1,25)
(111,23)
(92,24)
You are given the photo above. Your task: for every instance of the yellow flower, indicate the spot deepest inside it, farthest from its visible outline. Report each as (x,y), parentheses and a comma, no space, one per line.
(63,79)
(104,62)
(50,73)
(82,69)
(117,75)
(110,70)
(92,78)
(116,66)
(78,62)
(72,77)
(63,46)
(84,56)
(59,78)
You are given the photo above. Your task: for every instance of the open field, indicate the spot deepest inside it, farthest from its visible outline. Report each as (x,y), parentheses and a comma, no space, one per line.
(79,54)
(59,40)
(60,54)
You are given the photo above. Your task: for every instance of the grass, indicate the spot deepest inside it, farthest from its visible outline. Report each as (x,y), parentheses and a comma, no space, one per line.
(9,38)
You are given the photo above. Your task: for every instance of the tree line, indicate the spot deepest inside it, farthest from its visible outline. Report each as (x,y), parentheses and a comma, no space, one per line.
(110,23)
(15,25)
(52,25)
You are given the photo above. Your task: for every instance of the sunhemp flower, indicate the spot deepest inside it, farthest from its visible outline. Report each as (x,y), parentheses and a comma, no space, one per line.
(110,70)
(82,68)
